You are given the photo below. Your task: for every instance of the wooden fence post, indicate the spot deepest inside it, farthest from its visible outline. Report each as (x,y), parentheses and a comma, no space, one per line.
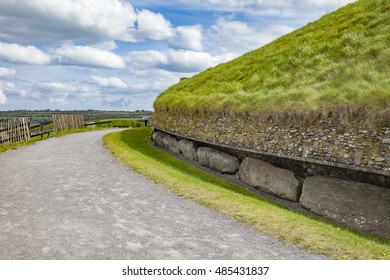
(67,122)
(15,130)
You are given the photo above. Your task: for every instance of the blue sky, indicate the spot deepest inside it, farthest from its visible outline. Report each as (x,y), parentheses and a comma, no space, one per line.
(120,55)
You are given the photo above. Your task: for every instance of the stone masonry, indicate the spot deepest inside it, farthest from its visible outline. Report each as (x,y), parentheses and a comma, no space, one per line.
(358,145)
(355,204)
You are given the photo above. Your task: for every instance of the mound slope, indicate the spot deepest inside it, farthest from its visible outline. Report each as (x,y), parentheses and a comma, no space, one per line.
(340,61)
(327,85)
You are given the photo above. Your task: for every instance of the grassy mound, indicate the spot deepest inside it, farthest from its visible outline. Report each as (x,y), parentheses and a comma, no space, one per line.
(337,65)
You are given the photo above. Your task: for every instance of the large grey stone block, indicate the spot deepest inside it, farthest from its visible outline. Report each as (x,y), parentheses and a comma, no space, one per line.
(217,160)
(202,156)
(188,148)
(158,138)
(170,142)
(269,178)
(358,205)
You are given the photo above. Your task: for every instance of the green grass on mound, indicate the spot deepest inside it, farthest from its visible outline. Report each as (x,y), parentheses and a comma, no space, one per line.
(338,64)
(133,148)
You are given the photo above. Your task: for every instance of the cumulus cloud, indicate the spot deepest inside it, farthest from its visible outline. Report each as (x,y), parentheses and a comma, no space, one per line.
(190,61)
(260,5)
(147,58)
(7,72)
(178,60)
(153,26)
(326,3)
(87,20)
(7,85)
(56,86)
(62,92)
(63,87)
(110,82)
(59,98)
(117,103)
(105,46)
(20,54)
(66,89)
(240,37)
(20,89)
(88,56)
(188,38)
(66,19)
(3,98)
(153,81)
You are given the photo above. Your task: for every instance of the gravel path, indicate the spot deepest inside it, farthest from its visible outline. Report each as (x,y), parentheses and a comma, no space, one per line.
(69,198)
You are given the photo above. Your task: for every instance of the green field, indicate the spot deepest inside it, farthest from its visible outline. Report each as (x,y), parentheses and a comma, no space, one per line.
(335,66)
(126,123)
(89,115)
(133,148)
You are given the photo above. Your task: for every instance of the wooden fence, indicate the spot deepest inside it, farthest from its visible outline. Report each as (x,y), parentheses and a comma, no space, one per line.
(15,130)
(67,122)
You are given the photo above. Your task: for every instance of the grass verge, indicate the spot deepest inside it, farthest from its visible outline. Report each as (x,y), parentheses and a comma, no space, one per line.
(133,148)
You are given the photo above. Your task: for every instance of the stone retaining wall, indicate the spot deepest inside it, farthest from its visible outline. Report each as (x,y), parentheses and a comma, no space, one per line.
(361,206)
(357,145)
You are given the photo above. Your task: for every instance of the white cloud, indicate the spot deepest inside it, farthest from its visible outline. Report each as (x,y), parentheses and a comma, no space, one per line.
(228,34)
(147,58)
(62,92)
(153,26)
(105,46)
(7,72)
(88,56)
(154,80)
(117,103)
(74,21)
(59,98)
(24,90)
(110,82)
(66,19)
(184,61)
(325,3)
(260,5)
(6,85)
(26,55)
(188,38)
(3,98)
(57,86)
(190,61)
(66,89)
(237,36)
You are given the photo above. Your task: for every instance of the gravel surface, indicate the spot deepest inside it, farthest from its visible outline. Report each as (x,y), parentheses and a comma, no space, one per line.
(69,198)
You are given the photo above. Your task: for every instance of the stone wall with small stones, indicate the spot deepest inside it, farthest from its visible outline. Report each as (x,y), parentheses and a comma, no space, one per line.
(360,146)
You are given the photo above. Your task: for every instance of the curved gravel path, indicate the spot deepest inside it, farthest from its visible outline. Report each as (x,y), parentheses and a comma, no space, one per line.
(69,198)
